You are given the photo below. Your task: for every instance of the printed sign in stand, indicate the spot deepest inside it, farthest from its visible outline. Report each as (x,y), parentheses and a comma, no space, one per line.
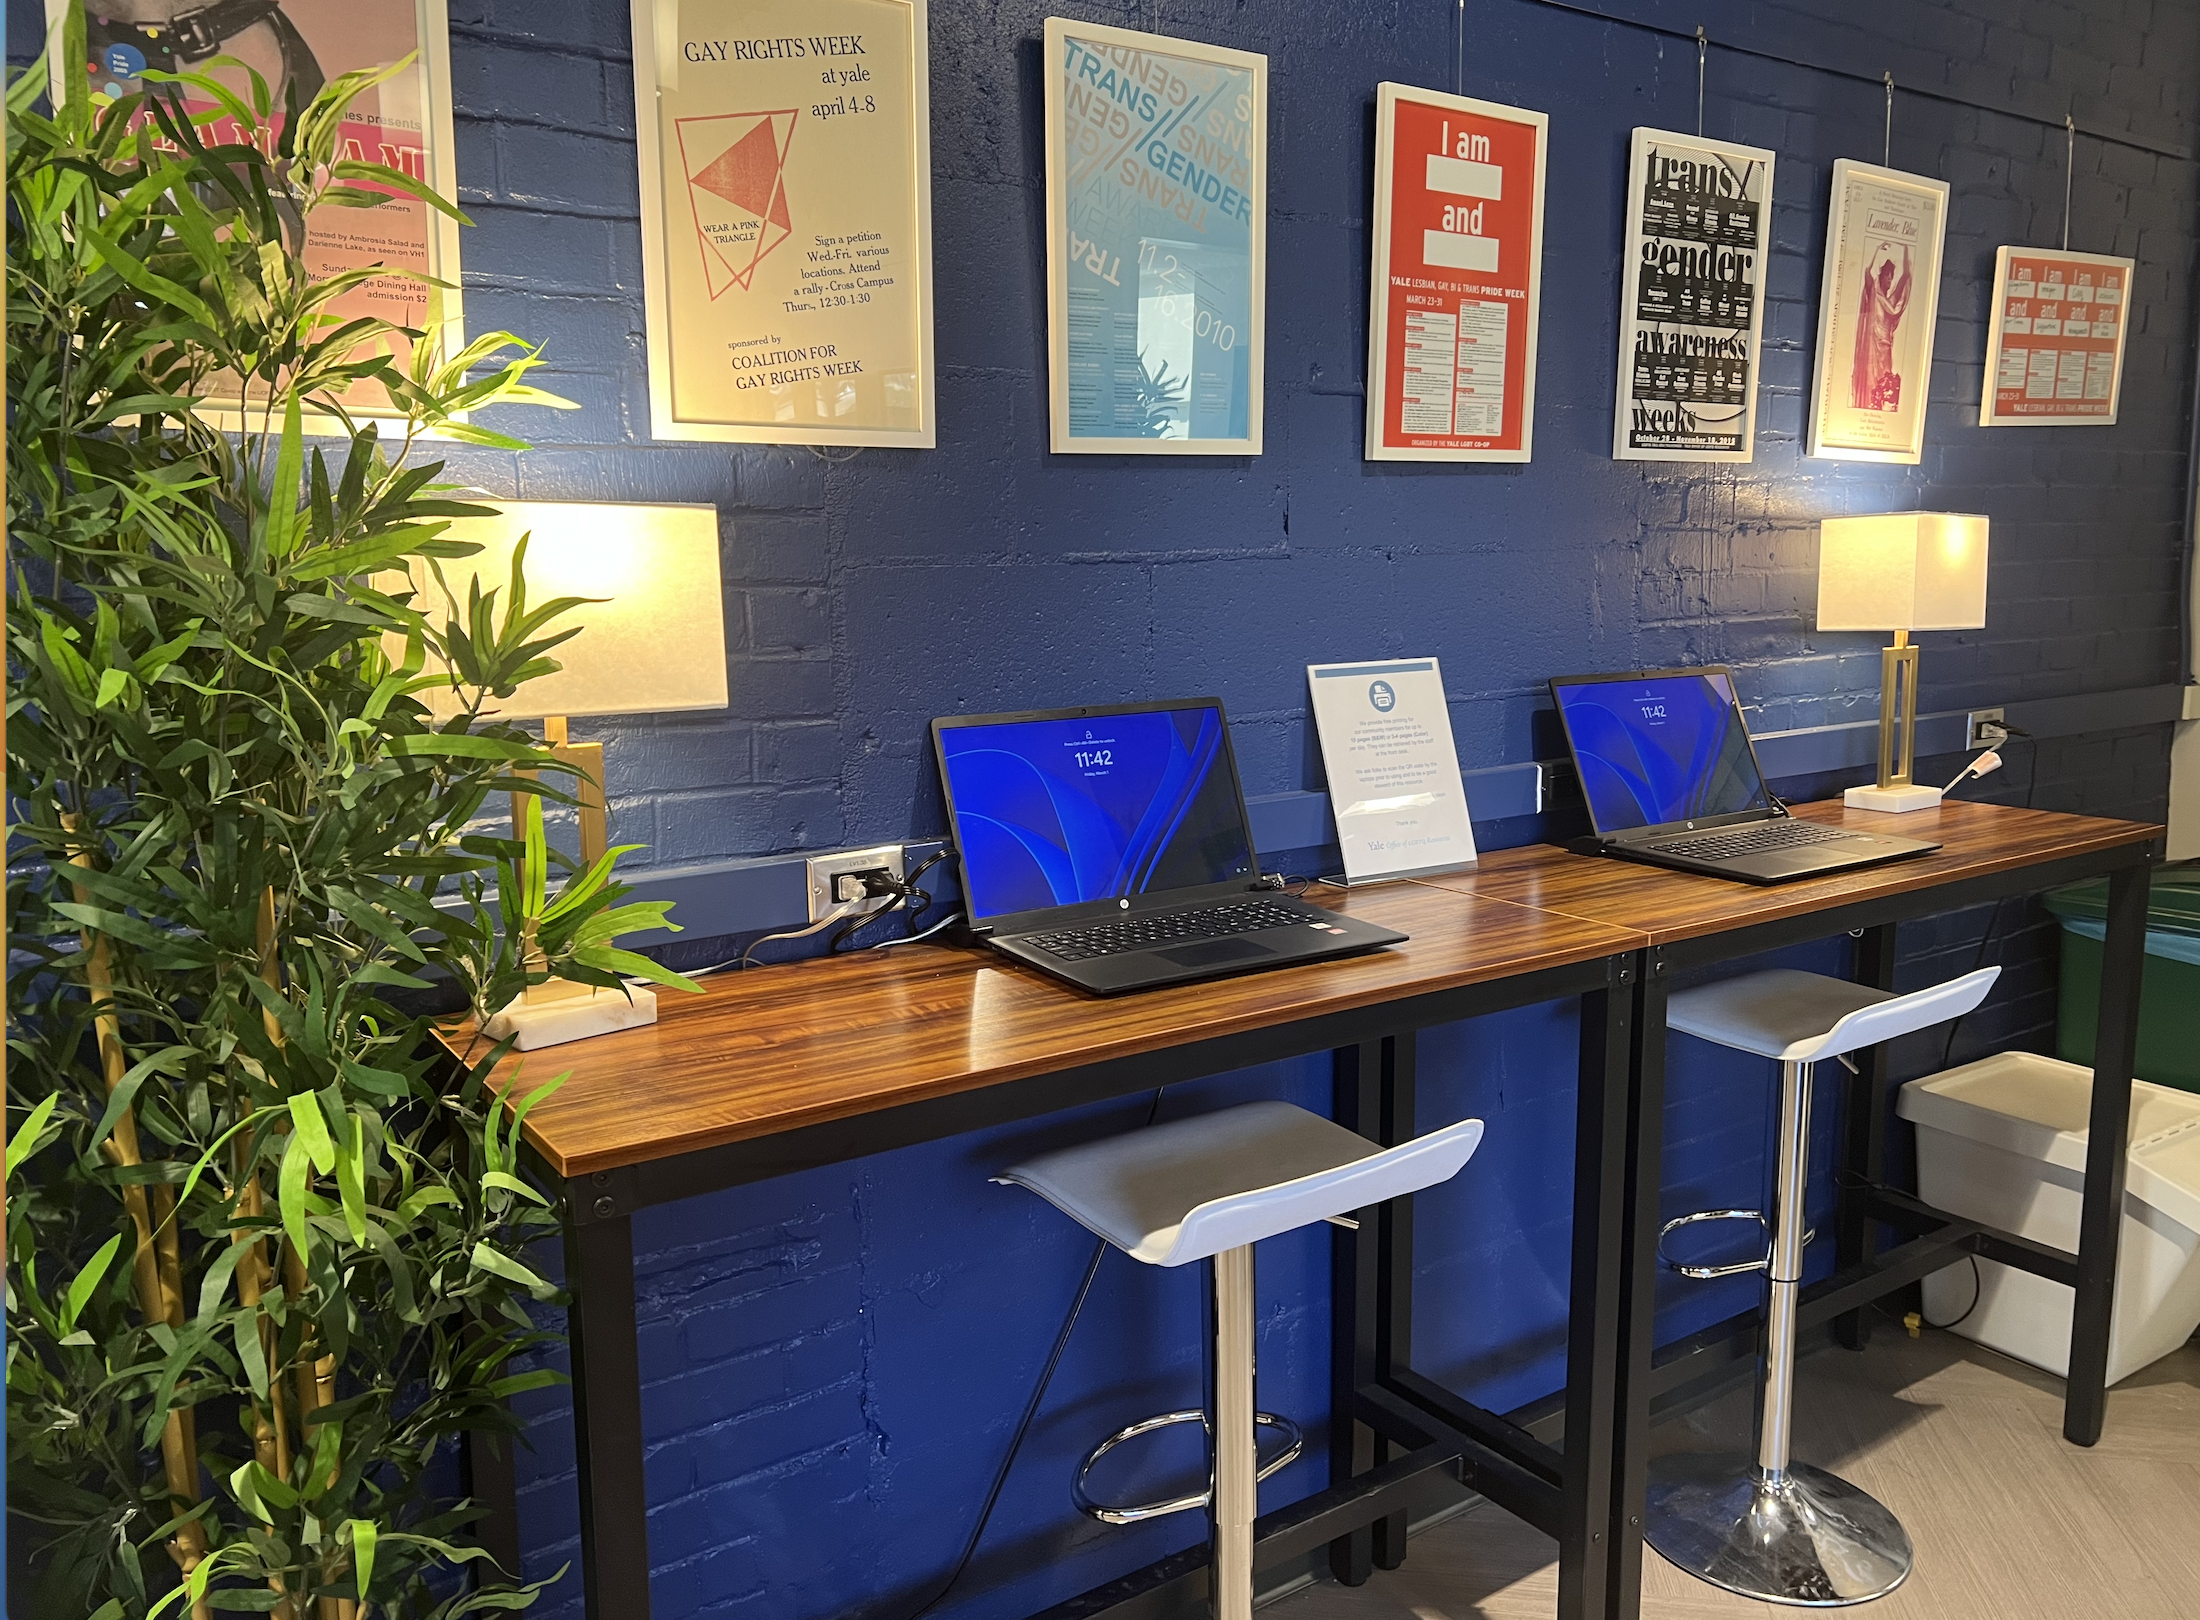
(1455,278)
(2055,357)
(1394,784)
(1699,214)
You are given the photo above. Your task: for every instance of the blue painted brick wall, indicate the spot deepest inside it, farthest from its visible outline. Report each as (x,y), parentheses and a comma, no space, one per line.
(834,1360)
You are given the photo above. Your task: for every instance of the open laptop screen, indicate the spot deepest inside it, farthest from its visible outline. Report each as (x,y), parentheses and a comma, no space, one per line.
(1053,811)
(1657,749)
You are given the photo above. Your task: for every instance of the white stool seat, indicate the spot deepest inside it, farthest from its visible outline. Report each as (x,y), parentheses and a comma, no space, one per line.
(1803,1017)
(1171,1194)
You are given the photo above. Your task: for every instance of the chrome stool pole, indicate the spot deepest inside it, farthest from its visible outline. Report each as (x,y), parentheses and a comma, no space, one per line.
(1782,1531)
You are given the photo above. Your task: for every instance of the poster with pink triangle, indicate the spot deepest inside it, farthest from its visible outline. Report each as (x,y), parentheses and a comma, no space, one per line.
(786,220)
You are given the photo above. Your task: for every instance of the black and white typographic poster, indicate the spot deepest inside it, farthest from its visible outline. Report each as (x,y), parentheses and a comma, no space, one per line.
(1699,217)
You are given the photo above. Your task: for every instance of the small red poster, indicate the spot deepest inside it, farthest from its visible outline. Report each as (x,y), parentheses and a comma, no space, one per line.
(1458,259)
(2055,356)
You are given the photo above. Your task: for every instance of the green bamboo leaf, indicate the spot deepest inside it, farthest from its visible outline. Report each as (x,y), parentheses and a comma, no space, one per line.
(351,1181)
(312,1130)
(462,745)
(630,965)
(503,1265)
(328,1447)
(80,1291)
(512,1184)
(244,1332)
(214,1288)
(282,525)
(362,1553)
(26,1141)
(291,1183)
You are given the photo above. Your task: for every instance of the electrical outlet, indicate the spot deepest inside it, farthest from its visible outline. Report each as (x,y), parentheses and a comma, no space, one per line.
(1985,729)
(825,868)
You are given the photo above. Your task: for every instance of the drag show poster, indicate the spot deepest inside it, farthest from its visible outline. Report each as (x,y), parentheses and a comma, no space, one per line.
(1157,222)
(1876,308)
(786,169)
(404,123)
(1692,288)
(1456,273)
(2055,353)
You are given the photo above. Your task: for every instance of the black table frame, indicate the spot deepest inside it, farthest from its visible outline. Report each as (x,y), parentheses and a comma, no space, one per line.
(1660,1380)
(1395,1436)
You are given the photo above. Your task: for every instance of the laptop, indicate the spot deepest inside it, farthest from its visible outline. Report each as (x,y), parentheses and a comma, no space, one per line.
(1109,847)
(1672,779)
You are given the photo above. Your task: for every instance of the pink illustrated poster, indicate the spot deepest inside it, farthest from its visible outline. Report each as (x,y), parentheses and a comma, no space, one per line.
(297,47)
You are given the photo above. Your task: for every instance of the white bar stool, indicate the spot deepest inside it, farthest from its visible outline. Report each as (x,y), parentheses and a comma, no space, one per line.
(1769,1527)
(1211,1187)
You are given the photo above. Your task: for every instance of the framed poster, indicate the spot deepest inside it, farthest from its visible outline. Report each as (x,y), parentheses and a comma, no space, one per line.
(1157,235)
(1456,276)
(1876,307)
(297,47)
(2055,350)
(1692,292)
(786,158)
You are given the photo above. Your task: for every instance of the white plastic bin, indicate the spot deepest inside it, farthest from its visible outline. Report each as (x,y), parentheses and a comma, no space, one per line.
(2003,1141)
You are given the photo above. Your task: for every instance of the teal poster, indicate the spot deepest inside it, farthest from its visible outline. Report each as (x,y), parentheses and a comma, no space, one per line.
(1157,205)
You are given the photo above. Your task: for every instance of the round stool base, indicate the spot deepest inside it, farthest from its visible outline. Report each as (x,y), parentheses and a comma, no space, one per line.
(1813,1540)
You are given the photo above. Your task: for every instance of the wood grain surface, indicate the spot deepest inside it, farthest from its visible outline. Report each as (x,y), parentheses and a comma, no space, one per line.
(1664,905)
(776,1048)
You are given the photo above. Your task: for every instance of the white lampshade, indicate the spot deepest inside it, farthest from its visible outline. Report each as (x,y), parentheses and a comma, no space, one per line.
(657,640)
(1902,571)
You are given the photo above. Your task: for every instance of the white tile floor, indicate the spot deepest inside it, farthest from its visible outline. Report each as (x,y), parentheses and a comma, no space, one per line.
(2009,1521)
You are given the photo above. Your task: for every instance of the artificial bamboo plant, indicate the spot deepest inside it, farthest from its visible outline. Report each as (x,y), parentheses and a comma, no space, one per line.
(265,1259)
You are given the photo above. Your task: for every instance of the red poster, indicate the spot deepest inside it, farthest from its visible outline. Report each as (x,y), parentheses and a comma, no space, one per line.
(2055,357)
(1458,255)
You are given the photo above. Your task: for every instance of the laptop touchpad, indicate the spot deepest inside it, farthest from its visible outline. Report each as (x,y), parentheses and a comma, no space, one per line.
(1209,952)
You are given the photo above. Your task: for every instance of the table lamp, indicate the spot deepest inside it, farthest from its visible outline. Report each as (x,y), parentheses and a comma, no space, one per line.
(653,641)
(1902,571)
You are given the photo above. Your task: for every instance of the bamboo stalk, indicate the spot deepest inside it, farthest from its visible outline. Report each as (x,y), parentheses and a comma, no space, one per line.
(159,1300)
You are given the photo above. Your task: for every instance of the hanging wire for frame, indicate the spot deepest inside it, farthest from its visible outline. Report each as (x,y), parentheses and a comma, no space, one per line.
(1886,144)
(2070,167)
(1703,45)
(1459,51)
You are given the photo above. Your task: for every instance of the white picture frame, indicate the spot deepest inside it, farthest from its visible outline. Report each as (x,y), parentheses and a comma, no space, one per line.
(2077,380)
(787,290)
(1157,165)
(1872,378)
(1429,318)
(1692,289)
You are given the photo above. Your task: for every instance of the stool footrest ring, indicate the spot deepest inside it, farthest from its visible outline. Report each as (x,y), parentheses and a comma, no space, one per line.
(1134,1512)
(1739,1266)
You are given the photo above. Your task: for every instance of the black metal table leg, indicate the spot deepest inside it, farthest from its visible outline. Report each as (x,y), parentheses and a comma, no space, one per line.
(1638,1252)
(1394,1271)
(607,1408)
(1864,1137)
(491,1482)
(1355,1272)
(2115,1043)
(1593,1313)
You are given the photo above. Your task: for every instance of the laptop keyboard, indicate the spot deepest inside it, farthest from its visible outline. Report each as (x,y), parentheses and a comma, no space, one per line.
(1785,833)
(1143,933)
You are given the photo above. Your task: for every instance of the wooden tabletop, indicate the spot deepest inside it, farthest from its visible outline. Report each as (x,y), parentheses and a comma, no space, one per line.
(1664,906)
(777,1048)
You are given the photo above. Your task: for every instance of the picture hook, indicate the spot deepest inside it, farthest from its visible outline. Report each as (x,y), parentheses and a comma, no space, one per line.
(2070,167)
(1886,146)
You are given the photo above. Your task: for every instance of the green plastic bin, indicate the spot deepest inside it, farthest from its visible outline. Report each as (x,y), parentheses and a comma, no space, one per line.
(2169,994)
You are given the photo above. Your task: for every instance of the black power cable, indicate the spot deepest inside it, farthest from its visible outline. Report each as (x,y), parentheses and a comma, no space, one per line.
(1031,1411)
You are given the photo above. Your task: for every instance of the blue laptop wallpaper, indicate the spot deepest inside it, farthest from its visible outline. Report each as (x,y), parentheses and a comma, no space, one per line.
(1660,749)
(1051,812)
